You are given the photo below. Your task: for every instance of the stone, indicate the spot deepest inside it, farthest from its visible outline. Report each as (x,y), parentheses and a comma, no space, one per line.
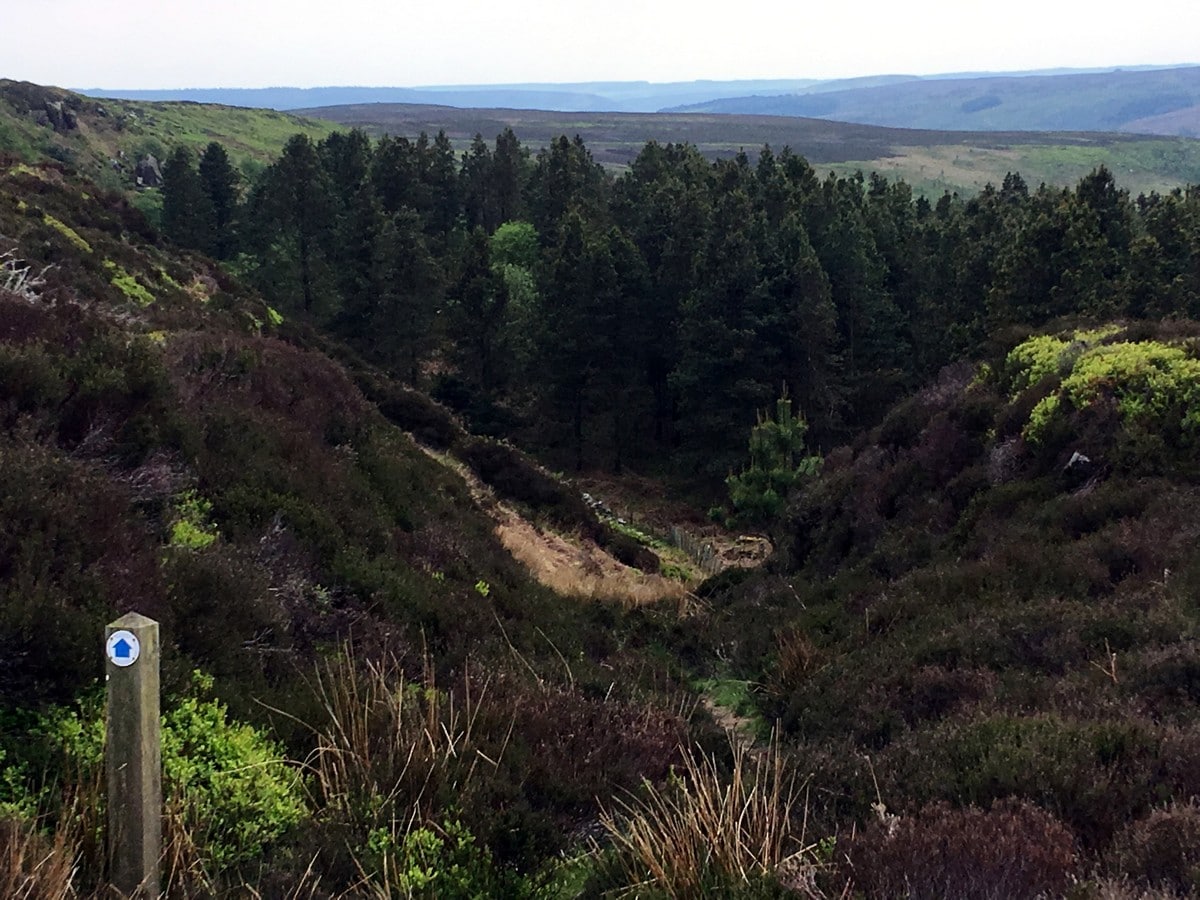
(148,172)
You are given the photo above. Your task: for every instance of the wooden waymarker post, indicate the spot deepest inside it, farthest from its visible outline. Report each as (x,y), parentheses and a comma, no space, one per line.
(133,756)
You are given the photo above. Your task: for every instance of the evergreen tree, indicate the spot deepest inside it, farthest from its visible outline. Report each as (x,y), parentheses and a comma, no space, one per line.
(440,175)
(296,214)
(510,174)
(221,183)
(723,371)
(480,203)
(478,306)
(778,461)
(187,211)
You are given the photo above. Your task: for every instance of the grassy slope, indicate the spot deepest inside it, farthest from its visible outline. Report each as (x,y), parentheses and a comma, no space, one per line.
(107,128)
(931,161)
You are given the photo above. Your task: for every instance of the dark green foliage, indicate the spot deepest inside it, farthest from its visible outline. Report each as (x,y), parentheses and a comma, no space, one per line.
(188,214)
(221,185)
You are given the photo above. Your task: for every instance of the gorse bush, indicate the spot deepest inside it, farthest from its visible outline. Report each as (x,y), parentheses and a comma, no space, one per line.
(1151,387)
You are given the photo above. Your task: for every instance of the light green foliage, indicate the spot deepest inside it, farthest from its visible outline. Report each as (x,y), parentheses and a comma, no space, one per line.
(1155,386)
(514,244)
(68,232)
(128,285)
(1031,361)
(444,862)
(16,801)
(227,780)
(192,528)
(1034,359)
(513,255)
(482,588)
(778,461)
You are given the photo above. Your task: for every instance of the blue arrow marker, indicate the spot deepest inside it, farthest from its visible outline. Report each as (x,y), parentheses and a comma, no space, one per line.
(122,649)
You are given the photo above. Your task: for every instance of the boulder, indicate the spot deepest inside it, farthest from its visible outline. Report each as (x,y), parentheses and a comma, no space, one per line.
(148,172)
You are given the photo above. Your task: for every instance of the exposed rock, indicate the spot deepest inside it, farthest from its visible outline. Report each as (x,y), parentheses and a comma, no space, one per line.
(60,117)
(148,172)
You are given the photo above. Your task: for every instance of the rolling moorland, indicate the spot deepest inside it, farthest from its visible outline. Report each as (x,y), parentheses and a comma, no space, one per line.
(932,162)
(281,417)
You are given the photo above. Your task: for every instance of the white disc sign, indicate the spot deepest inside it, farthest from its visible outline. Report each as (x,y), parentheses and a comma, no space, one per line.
(123,648)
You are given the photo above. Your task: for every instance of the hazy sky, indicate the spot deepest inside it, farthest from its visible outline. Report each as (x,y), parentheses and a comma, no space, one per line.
(260,43)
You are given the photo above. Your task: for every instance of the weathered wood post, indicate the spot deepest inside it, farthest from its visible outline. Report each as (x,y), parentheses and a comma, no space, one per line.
(133,756)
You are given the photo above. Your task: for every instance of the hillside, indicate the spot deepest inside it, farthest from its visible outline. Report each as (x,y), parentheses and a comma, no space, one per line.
(169,444)
(104,139)
(646,96)
(992,596)
(1094,101)
(403,656)
(930,160)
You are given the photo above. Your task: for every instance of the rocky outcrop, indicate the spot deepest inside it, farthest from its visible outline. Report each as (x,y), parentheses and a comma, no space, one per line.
(148,172)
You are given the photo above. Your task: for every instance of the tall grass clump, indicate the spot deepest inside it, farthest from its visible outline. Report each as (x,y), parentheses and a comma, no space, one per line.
(396,766)
(705,833)
(34,865)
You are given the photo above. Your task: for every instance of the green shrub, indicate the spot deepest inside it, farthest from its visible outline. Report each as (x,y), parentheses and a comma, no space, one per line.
(227,780)
(192,528)
(444,862)
(225,783)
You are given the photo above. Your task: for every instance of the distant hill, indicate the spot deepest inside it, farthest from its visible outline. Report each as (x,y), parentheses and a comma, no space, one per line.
(620,96)
(1095,101)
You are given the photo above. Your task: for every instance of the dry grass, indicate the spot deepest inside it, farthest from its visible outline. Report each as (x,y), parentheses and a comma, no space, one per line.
(580,568)
(391,751)
(34,866)
(576,568)
(389,741)
(705,831)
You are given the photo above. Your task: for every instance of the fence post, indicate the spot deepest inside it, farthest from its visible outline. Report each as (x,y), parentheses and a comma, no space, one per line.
(133,756)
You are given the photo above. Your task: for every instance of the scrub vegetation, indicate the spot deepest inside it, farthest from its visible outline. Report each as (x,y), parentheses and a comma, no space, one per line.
(293,422)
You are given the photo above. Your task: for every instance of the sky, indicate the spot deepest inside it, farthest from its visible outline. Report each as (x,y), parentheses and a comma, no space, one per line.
(403,43)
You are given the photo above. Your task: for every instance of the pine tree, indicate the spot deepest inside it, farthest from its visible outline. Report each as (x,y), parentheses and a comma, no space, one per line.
(221,183)
(187,210)
(296,213)
(778,461)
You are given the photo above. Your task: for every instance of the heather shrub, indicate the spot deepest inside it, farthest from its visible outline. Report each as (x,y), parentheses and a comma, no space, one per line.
(1092,775)
(1161,850)
(1012,850)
